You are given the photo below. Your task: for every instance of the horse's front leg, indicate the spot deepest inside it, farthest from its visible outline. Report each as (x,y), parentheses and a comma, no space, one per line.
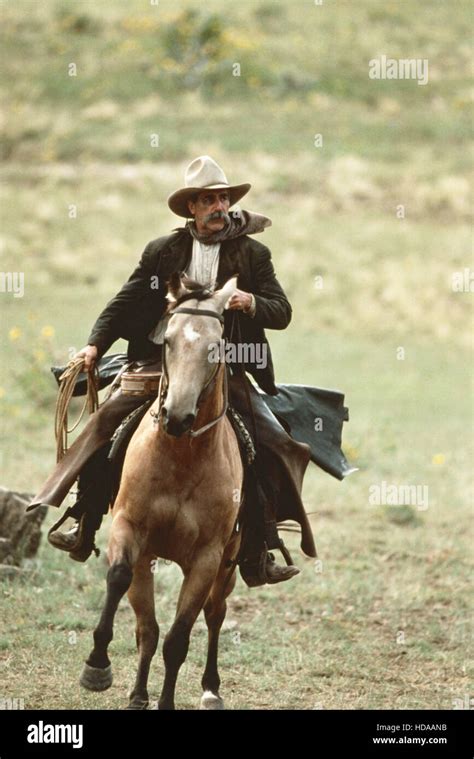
(123,551)
(214,611)
(142,599)
(195,589)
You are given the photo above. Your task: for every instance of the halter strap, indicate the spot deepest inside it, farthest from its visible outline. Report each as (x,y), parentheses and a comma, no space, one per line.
(195,433)
(198,312)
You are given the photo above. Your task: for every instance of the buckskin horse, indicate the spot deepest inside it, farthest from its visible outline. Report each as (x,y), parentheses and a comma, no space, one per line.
(177,500)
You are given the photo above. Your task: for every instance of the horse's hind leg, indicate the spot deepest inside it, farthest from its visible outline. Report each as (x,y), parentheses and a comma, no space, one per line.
(97,672)
(142,599)
(215,611)
(195,589)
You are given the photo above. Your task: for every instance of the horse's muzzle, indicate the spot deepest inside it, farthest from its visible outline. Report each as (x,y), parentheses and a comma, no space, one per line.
(175,426)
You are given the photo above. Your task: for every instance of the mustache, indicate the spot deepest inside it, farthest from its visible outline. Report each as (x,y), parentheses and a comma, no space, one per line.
(217,215)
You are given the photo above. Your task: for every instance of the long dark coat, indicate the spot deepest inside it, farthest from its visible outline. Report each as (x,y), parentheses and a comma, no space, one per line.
(138,306)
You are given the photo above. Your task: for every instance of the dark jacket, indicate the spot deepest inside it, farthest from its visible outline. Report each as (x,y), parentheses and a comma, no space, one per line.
(138,306)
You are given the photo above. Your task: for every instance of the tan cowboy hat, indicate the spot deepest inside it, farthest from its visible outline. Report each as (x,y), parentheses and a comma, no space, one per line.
(203,174)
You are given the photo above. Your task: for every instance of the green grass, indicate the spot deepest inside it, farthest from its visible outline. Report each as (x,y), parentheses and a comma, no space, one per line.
(389,595)
(385,623)
(304,66)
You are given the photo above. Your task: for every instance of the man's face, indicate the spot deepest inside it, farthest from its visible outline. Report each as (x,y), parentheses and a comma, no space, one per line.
(210,210)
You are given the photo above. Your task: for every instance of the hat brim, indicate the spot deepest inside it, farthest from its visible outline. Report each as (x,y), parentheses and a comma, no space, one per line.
(178,201)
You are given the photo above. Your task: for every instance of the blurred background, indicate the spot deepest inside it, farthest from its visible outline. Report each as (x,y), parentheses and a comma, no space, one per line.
(366,182)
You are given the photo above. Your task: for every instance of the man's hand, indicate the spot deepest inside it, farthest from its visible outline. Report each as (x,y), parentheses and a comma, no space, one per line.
(90,355)
(240,301)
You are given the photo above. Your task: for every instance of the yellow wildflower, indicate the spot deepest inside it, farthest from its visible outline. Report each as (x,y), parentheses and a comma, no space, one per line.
(47,331)
(39,355)
(14,333)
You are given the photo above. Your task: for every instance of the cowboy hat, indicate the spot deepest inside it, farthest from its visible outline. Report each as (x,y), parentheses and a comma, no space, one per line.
(203,174)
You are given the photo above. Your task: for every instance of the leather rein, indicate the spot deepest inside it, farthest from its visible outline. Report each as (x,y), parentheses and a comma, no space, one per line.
(162,389)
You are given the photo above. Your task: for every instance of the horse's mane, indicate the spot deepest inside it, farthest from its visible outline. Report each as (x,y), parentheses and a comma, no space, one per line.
(199,291)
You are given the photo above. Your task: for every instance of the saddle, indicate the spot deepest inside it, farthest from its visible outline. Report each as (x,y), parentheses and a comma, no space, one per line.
(140,379)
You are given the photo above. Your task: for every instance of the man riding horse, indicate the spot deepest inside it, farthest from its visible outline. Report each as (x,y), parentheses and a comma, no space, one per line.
(212,247)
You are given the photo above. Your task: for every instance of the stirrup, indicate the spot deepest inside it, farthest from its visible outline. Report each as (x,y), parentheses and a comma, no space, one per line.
(85,544)
(286,554)
(82,548)
(253,571)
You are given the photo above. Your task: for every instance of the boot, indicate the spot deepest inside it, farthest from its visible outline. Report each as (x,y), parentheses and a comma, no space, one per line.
(258,566)
(274,573)
(78,541)
(263,569)
(260,533)
(65,541)
(94,492)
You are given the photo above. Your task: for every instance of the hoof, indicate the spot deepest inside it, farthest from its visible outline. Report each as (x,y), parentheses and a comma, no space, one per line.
(211,702)
(96,679)
(137,705)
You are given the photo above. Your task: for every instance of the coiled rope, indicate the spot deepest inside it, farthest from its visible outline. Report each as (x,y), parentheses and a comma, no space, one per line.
(67,383)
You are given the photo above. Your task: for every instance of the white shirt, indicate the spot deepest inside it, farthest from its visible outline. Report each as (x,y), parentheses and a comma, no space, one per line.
(204,263)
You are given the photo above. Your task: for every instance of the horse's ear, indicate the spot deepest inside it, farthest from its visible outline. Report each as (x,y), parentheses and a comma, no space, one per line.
(176,287)
(221,296)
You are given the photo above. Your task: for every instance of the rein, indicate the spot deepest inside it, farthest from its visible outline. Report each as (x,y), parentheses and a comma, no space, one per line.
(162,389)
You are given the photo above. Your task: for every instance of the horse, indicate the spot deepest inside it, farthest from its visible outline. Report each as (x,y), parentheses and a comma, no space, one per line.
(178,500)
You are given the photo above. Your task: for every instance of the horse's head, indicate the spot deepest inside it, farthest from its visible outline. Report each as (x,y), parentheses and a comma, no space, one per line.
(187,352)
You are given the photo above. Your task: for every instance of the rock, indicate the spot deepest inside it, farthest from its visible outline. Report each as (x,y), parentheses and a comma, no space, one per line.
(20,533)
(5,548)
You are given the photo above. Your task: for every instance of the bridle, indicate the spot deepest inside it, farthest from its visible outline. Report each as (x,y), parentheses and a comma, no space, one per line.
(163,387)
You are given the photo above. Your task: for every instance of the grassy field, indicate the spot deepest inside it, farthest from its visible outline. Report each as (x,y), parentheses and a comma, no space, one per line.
(382,620)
